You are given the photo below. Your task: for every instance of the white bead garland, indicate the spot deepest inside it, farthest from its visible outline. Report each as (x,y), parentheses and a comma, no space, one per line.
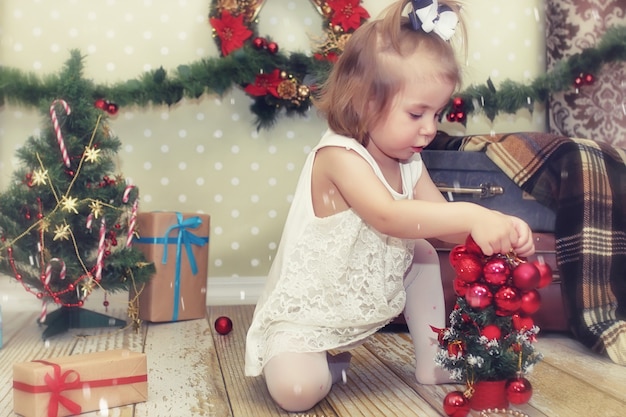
(491,411)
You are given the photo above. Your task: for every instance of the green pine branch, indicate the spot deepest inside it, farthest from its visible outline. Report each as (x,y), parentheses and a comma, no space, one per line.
(221,74)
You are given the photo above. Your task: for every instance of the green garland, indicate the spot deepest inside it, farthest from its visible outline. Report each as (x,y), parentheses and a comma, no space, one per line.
(219,75)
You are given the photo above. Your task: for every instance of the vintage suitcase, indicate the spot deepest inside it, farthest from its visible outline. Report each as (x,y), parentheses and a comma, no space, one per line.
(472,176)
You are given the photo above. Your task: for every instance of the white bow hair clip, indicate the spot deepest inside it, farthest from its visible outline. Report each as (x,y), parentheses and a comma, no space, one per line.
(430,17)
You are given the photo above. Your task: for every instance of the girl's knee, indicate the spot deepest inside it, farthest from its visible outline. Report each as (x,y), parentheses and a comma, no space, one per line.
(298,381)
(298,393)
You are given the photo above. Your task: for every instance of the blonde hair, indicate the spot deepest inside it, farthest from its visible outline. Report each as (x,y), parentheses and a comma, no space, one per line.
(370,72)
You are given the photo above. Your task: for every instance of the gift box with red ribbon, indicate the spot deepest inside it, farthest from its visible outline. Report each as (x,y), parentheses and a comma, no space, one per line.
(178,245)
(75,384)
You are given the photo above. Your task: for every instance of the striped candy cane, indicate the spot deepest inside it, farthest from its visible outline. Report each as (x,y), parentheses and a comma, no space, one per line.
(48,274)
(99,260)
(44,311)
(57,128)
(131,224)
(127,191)
(89,221)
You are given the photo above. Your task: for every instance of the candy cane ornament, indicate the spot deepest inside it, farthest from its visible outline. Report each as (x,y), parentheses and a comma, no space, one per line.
(100,260)
(48,275)
(132,223)
(57,128)
(46,282)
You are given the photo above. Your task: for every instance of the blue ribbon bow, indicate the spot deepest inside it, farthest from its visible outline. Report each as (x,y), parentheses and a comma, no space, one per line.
(429,16)
(186,238)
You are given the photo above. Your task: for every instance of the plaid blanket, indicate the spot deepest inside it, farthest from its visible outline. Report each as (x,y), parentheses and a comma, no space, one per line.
(584,182)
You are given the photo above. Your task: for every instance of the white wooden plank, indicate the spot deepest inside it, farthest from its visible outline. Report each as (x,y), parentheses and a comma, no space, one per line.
(182,376)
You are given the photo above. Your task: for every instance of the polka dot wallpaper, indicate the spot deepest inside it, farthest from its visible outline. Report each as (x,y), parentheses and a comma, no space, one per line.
(206,155)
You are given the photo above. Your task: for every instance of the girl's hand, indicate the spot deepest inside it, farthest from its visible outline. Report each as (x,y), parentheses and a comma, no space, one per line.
(500,233)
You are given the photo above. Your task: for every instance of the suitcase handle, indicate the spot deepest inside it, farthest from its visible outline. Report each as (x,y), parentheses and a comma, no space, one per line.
(485,190)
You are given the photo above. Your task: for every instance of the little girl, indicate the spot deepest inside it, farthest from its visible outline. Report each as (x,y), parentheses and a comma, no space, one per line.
(352,255)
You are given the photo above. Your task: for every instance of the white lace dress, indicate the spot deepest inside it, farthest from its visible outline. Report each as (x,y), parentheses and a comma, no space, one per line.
(335,280)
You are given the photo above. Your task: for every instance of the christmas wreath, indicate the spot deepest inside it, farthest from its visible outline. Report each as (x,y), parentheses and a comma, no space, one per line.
(282,81)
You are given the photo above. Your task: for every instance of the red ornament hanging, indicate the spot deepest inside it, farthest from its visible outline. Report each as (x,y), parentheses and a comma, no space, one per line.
(468,268)
(457,112)
(545,273)
(531,301)
(100,104)
(112,108)
(457,252)
(526,276)
(478,296)
(522,323)
(223,325)
(272,48)
(259,43)
(472,246)
(496,271)
(456,404)
(491,332)
(460,287)
(518,390)
(507,300)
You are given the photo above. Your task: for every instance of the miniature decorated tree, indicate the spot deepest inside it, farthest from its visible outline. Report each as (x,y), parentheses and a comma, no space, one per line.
(488,345)
(67,221)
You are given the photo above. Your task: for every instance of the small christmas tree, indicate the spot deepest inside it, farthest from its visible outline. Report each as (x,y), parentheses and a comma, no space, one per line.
(491,332)
(66,221)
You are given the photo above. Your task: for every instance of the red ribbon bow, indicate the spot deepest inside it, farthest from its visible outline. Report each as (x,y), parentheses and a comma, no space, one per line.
(57,383)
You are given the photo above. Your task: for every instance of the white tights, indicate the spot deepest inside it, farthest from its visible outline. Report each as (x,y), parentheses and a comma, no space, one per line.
(298,381)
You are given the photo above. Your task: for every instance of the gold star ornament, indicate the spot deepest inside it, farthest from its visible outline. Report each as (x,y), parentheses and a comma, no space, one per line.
(96,208)
(92,154)
(62,232)
(40,176)
(69,204)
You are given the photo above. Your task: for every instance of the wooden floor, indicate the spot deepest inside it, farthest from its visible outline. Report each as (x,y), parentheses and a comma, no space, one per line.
(193,371)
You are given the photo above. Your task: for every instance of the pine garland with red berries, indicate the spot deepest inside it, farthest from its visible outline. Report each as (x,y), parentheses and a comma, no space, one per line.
(282,82)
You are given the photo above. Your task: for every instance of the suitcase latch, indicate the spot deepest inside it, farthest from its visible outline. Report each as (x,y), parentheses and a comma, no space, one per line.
(484,190)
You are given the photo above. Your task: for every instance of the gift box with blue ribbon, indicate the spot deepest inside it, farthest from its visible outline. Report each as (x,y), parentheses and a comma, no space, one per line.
(178,245)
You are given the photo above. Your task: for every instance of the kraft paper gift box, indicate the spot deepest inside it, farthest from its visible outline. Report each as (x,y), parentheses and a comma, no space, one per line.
(177,244)
(76,384)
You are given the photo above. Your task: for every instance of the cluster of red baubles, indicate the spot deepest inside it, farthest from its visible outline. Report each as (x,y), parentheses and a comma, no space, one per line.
(583,79)
(260,43)
(457,112)
(107,106)
(508,283)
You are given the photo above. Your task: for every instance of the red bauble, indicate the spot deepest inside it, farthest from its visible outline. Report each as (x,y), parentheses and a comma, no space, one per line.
(472,246)
(468,268)
(458,102)
(100,104)
(526,276)
(545,273)
(451,117)
(455,404)
(518,390)
(223,325)
(112,108)
(491,332)
(272,48)
(507,300)
(522,323)
(460,287)
(478,296)
(496,271)
(531,301)
(457,252)
(259,43)
(588,79)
